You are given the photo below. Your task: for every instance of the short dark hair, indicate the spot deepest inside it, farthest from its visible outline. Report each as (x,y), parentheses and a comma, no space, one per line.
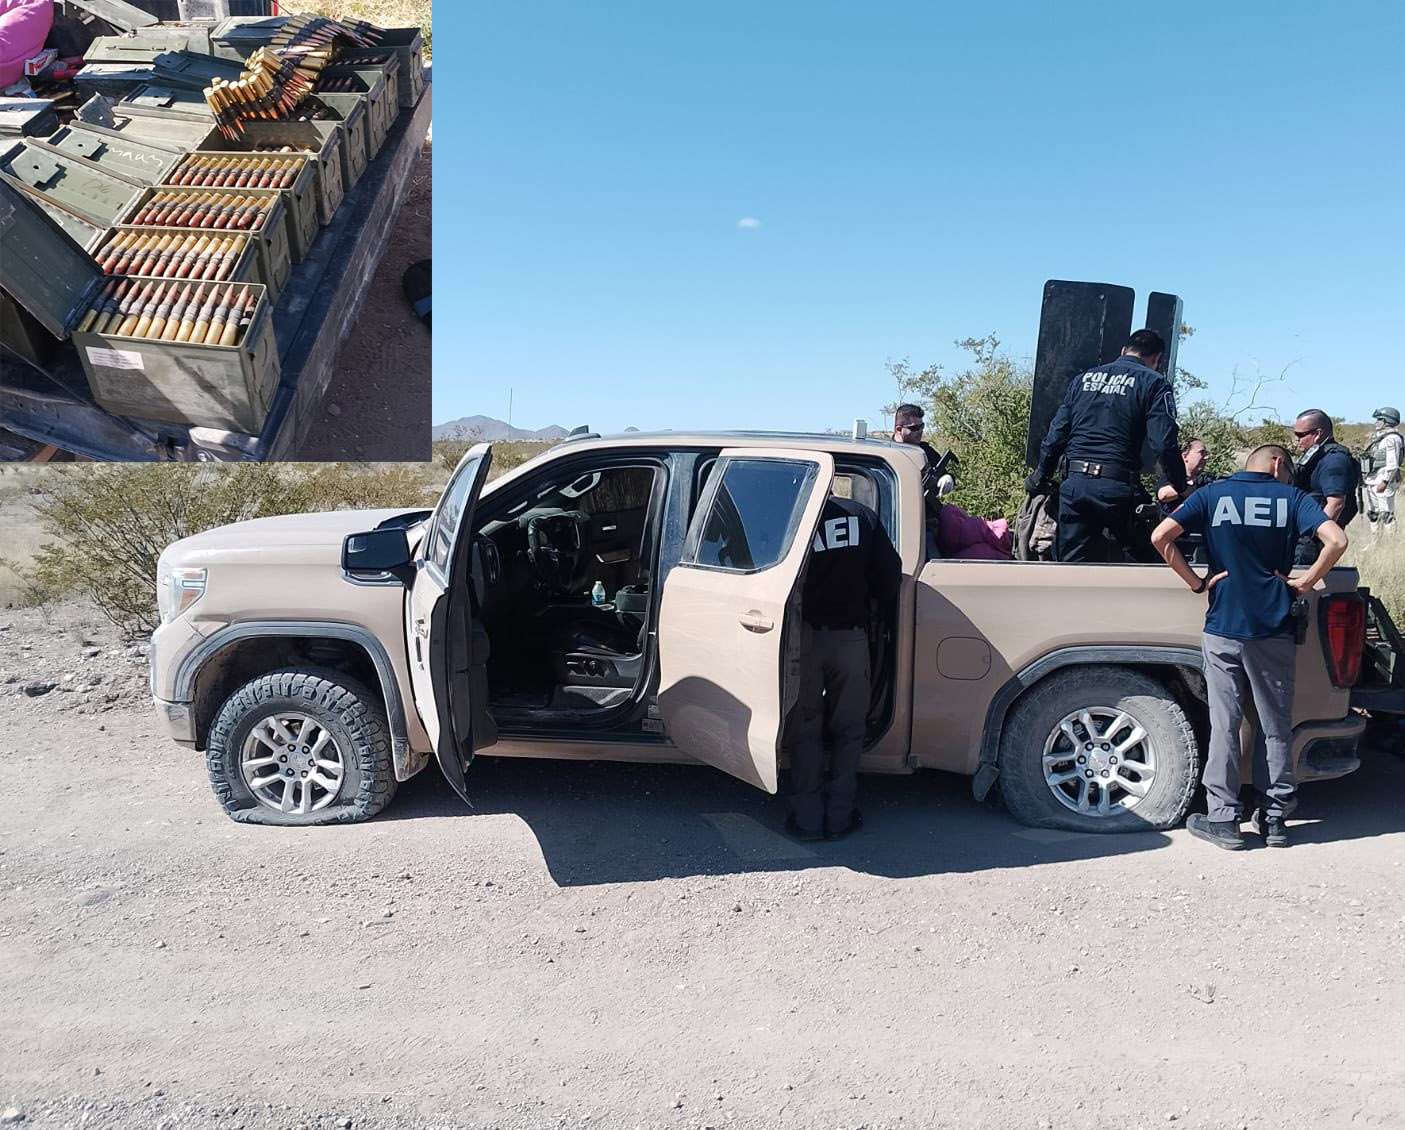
(1317,420)
(1266,451)
(1191,442)
(1146,343)
(909,410)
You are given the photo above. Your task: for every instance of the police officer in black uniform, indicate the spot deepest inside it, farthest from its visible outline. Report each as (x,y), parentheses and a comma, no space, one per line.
(1098,432)
(851,563)
(1326,470)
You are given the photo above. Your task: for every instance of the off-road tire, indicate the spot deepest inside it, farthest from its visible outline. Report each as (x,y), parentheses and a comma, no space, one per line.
(354,715)
(1022,785)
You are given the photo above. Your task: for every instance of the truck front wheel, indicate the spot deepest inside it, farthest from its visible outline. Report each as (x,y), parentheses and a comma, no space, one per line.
(1098,749)
(301,747)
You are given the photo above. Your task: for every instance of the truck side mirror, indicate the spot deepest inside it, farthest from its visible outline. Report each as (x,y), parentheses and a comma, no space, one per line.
(377,556)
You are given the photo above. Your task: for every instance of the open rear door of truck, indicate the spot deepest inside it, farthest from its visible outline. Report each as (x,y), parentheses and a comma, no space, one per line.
(723,629)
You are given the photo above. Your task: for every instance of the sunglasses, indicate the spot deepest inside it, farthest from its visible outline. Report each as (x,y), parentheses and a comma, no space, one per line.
(1304,435)
(917,427)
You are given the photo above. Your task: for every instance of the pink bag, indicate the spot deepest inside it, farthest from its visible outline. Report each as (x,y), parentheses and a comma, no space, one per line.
(24,25)
(965,536)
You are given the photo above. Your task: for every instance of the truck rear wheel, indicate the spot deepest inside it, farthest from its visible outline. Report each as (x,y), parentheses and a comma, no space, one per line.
(1099,749)
(301,747)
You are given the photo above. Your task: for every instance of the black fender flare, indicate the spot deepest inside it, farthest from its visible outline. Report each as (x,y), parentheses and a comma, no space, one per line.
(195,660)
(1126,655)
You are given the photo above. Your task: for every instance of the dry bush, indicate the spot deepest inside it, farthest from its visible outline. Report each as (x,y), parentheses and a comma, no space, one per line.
(106,526)
(1381,562)
(981,413)
(507,454)
(382,13)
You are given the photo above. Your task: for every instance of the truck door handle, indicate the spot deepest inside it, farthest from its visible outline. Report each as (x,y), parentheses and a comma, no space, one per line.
(754,621)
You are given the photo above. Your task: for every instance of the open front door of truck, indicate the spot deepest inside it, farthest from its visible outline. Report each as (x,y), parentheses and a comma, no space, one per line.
(448,649)
(724,629)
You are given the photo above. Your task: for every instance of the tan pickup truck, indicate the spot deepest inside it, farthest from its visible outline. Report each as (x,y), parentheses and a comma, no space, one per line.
(635,598)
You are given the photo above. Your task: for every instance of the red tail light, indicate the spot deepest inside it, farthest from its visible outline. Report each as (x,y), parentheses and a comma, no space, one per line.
(1344,636)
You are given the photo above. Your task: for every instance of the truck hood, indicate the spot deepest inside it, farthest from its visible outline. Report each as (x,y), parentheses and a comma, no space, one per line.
(301,538)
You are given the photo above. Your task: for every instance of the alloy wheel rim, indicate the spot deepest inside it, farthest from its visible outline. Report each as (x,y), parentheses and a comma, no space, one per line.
(1099,761)
(291,763)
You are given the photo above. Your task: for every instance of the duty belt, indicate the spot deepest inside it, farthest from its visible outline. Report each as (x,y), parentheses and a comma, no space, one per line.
(1102,470)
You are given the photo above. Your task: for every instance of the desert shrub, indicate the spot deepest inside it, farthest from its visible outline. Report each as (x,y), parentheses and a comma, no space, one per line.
(982,414)
(507,453)
(1381,562)
(1269,431)
(108,525)
(1224,438)
(382,13)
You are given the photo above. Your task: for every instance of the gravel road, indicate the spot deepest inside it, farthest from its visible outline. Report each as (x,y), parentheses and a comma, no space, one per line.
(612,946)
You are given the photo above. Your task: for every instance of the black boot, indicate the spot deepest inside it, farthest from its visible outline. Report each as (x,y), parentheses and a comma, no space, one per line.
(855,822)
(804,835)
(1221,833)
(1274,829)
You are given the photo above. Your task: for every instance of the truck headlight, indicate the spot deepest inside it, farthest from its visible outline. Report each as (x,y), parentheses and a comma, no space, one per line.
(177,590)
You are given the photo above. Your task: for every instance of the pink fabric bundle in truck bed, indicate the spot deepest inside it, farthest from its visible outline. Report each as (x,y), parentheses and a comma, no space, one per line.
(964,535)
(24,25)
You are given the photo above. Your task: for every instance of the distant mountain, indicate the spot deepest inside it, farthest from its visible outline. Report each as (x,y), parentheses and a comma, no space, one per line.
(489,428)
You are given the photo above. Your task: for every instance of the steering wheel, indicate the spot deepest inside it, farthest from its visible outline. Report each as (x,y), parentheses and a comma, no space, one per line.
(556,549)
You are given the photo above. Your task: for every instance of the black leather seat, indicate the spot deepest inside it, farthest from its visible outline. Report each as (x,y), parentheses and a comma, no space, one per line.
(596,647)
(603,636)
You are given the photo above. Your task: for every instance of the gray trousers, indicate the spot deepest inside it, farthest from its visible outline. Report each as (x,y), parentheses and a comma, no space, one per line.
(834,691)
(1234,670)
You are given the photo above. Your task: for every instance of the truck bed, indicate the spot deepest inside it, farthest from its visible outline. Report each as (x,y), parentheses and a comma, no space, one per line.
(979,624)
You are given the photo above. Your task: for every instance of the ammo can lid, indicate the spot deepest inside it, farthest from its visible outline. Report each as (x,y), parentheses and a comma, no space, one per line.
(166,97)
(43,268)
(180,67)
(89,138)
(81,230)
(248,29)
(33,117)
(123,49)
(120,14)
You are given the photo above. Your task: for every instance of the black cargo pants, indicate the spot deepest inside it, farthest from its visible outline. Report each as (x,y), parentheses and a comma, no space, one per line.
(834,693)
(1089,506)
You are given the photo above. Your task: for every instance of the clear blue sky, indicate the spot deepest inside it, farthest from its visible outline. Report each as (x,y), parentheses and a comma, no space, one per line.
(727,215)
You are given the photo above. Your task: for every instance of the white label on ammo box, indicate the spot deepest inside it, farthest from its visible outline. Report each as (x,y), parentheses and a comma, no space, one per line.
(116,359)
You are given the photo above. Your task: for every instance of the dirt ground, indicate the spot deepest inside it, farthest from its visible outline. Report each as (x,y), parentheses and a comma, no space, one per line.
(21,533)
(613,946)
(378,406)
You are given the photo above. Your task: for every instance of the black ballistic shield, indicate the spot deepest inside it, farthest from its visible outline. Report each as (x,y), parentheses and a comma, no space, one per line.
(1163,314)
(1081,325)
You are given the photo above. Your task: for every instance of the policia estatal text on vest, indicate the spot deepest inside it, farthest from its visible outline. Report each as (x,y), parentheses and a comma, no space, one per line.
(1252,523)
(1096,438)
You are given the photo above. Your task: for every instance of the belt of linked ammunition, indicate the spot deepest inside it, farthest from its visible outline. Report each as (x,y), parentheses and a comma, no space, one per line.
(192,313)
(199,256)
